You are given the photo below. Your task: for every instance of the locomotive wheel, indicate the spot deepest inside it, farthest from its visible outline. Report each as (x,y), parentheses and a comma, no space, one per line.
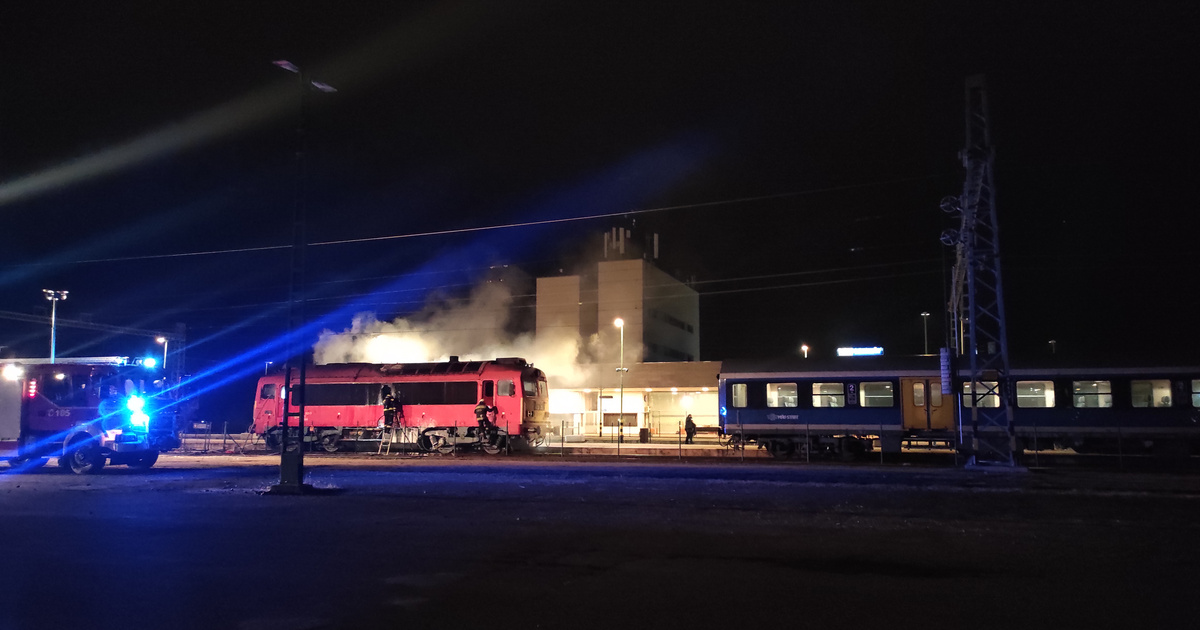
(144,461)
(424,443)
(271,441)
(443,446)
(493,449)
(329,442)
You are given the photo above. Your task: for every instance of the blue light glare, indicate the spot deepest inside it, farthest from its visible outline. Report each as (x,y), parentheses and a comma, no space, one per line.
(135,404)
(139,420)
(149,362)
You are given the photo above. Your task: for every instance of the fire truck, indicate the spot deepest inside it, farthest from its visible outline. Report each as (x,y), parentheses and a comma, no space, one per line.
(86,412)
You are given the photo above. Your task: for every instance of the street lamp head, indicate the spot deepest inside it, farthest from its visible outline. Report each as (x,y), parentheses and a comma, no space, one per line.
(287,65)
(924,314)
(619,323)
(160,339)
(53,295)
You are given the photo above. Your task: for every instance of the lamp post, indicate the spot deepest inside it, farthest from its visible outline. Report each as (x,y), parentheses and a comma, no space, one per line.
(266,366)
(925,320)
(620,324)
(54,297)
(804,349)
(291,458)
(165,342)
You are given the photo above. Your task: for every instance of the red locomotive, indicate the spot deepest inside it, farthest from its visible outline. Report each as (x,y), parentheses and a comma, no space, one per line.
(435,405)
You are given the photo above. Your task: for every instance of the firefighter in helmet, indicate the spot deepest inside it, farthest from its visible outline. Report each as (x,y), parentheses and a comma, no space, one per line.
(481,412)
(389,407)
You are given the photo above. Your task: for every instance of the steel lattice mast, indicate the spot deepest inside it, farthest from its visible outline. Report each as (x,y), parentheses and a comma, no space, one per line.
(980,334)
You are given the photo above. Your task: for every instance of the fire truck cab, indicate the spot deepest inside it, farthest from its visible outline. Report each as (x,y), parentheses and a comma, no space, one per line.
(84,412)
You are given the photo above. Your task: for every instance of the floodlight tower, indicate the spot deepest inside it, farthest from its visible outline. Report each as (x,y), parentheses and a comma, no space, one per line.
(980,331)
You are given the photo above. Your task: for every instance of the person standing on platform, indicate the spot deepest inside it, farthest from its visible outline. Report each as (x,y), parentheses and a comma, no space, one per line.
(689,428)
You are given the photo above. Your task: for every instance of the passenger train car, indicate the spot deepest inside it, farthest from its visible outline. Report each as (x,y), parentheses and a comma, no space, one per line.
(436,403)
(854,405)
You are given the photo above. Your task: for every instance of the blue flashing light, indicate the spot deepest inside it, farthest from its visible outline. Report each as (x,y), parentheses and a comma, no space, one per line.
(723,411)
(150,362)
(135,404)
(139,420)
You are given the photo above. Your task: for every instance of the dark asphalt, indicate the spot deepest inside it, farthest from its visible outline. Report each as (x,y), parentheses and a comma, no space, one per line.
(529,543)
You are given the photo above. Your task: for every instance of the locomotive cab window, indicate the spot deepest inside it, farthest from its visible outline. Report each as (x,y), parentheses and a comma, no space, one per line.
(1092,394)
(782,395)
(828,395)
(737,395)
(530,386)
(506,388)
(268,391)
(1150,393)
(876,394)
(1035,394)
(986,391)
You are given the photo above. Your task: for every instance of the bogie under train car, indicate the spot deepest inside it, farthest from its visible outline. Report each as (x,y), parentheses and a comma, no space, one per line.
(436,402)
(852,407)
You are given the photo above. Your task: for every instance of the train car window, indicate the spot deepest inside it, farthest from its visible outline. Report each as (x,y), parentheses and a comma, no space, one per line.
(1035,394)
(782,395)
(1196,392)
(986,389)
(506,388)
(268,391)
(1150,393)
(876,394)
(935,394)
(829,395)
(737,395)
(1092,394)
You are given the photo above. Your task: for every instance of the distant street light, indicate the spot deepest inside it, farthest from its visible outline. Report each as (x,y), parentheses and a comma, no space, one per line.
(1053,346)
(266,366)
(925,318)
(804,349)
(165,342)
(54,297)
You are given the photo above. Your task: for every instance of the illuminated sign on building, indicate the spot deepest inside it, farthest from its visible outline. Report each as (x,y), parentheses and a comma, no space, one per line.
(860,352)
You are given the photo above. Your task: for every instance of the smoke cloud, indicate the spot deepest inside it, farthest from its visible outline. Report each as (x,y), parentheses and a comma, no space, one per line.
(475,328)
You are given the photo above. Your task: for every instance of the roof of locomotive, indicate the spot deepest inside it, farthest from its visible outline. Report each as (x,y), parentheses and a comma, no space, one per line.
(453,367)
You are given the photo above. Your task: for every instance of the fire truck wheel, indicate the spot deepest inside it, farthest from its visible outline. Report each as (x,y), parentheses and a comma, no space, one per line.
(85,458)
(29,463)
(144,461)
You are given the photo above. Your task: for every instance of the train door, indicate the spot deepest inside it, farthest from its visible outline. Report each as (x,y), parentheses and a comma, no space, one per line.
(268,407)
(925,409)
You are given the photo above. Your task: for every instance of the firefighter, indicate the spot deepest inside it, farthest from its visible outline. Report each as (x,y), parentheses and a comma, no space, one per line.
(481,412)
(389,407)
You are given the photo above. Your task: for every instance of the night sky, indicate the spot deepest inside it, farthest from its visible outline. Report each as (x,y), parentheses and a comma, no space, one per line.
(798,151)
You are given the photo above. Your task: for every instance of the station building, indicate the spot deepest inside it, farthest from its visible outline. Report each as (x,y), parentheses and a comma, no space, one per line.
(645,376)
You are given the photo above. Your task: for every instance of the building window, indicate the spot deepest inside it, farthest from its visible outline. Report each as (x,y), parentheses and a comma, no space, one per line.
(876,394)
(1091,394)
(1035,394)
(986,391)
(782,395)
(828,395)
(737,392)
(1196,392)
(1150,393)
